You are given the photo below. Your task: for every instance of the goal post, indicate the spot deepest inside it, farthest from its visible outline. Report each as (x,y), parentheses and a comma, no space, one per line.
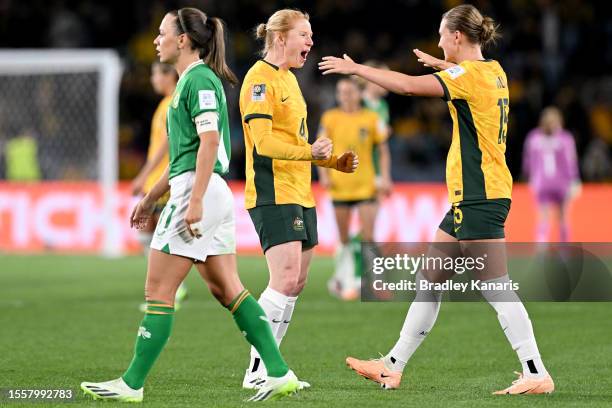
(75,82)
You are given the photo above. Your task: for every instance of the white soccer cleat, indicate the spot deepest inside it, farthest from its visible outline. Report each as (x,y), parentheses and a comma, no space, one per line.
(253,380)
(276,388)
(116,390)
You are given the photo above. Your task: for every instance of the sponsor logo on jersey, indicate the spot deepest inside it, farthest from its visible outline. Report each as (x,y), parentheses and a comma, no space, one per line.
(298,224)
(258,93)
(456,71)
(207,99)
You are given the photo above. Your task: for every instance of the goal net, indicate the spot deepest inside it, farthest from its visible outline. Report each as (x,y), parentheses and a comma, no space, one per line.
(65,103)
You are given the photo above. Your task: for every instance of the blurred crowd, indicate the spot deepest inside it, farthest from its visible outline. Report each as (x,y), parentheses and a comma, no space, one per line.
(554,52)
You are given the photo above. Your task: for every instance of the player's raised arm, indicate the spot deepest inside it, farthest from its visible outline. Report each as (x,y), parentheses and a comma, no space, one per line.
(424,85)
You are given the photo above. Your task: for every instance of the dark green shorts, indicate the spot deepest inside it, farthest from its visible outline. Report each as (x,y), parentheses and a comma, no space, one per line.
(277,224)
(353,203)
(477,219)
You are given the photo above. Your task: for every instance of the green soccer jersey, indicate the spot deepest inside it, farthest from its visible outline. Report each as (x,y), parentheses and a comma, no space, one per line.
(382,108)
(198,90)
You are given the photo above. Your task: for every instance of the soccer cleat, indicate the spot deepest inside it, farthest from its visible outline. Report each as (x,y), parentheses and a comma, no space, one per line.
(276,388)
(253,380)
(375,370)
(529,385)
(116,390)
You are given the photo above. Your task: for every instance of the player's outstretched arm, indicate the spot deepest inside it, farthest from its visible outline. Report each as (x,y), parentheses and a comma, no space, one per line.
(432,62)
(269,146)
(424,85)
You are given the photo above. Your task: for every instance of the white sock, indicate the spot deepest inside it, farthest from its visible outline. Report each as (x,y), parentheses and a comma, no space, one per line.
(345,266)
(144,238)
(419,321)
(273,303)
(286,319)
(516,324)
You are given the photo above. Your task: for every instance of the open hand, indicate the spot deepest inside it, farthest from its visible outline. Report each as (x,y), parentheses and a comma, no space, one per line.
(335,65)
(348,162)
(430,61)
(141,214)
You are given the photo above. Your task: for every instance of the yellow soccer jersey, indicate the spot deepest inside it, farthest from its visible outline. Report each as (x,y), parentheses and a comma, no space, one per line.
(158,134)
(358,131)
(477,96)
(270,93)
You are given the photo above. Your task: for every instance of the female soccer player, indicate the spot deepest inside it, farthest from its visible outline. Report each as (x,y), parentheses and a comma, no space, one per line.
(278,193)
(351,127)
(549,160)
(197,225)
(479,187)
(163,81)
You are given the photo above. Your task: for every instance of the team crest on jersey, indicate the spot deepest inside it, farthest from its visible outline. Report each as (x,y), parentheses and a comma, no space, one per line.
(258,93)
(363,134)
(298,224)
(456,71)
(175,100)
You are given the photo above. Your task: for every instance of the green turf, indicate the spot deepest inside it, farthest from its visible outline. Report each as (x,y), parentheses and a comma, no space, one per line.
(64,320)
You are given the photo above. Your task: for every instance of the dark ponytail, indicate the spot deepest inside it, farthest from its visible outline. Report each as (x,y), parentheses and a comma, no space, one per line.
(207,36)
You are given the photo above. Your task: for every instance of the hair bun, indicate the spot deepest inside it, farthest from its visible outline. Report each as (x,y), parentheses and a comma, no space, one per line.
(260,32)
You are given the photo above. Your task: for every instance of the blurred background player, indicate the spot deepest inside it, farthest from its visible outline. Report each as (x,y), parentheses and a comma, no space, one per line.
(278,191)
(350,126)
(550,163)
(163,81)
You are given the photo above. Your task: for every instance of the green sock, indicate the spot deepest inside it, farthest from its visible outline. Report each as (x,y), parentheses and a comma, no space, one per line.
(252,321)
(153,335)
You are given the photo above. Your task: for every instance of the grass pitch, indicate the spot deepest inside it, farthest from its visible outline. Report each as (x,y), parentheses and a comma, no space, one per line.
(64,320)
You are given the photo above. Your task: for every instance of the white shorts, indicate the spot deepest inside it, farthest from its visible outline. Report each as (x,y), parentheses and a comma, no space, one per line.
(219,229)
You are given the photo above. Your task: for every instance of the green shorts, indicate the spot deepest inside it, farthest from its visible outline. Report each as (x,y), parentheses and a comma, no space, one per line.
(277,224)
(477,219)
(353,203)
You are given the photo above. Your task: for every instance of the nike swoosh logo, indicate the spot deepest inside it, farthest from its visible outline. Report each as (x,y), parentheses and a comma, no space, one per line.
(286,321)
(384,376)
(457,229)
(275,321)
(284,99)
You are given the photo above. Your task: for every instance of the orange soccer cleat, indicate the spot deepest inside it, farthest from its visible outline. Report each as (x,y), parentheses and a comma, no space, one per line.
(375,370)
(527,385)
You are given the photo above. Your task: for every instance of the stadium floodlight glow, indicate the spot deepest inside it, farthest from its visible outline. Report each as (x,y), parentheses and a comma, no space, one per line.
(77,76)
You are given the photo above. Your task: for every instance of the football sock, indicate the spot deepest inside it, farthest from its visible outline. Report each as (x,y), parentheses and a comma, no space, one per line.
(144,238)
(153,335)
(286,319)
(252,321)
(516,324)
(273,304)
(345,266)
(419,321)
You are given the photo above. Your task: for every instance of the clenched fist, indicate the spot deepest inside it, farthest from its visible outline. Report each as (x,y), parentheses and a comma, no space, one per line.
(322,149)
(348,162)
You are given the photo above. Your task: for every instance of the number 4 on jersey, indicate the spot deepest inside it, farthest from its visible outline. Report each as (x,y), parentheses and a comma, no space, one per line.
(503,119)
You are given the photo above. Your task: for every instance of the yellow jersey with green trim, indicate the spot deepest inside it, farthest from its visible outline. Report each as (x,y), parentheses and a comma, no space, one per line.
(360,132)
(158,136)
(478,100)
(270,93)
